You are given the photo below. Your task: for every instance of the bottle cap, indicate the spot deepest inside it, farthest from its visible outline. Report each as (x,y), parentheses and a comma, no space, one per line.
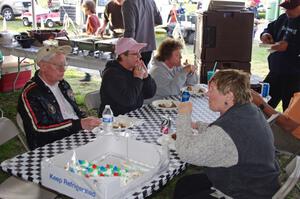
(107,106)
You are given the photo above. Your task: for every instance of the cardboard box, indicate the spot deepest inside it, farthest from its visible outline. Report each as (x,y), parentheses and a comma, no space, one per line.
(151,158)
(9,71)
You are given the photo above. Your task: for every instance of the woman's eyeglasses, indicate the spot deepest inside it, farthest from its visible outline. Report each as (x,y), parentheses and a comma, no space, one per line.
(135,54)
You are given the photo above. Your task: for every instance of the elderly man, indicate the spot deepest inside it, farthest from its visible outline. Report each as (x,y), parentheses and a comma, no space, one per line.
(284,62)
(126,82)
(168,72)
(47,104)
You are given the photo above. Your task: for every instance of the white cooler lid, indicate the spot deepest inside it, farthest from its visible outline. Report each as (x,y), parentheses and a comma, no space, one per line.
(10,65)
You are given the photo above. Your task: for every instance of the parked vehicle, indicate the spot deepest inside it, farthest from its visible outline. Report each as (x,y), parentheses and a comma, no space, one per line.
(42,15)
(13,8)
(187,27)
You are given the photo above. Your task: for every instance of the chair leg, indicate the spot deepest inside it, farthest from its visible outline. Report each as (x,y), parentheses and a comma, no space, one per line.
(290,159)
(23,142)
(285,163)
(298,187)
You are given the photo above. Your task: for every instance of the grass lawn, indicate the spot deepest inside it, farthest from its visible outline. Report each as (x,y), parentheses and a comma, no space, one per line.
(8,102)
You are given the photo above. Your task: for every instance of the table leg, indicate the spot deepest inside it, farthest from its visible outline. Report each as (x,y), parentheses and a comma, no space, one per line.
(18,73)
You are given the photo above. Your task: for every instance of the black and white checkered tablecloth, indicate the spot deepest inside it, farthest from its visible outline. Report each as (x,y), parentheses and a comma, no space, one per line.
(27,165)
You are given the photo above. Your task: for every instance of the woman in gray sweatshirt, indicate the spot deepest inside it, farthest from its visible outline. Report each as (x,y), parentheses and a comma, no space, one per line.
(167,70)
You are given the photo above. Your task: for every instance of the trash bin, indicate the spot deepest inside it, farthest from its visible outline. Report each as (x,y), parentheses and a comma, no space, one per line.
(272,11)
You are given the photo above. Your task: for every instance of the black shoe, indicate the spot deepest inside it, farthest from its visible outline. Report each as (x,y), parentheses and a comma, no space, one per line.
(87,78)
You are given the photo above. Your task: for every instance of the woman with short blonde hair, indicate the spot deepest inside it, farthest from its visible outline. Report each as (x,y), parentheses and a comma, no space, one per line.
(237,149)
(235,81)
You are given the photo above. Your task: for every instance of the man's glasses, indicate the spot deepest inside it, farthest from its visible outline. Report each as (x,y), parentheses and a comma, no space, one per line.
(59,66)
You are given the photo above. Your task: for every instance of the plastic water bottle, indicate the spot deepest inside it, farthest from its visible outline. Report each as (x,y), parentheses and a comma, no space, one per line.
(107,119)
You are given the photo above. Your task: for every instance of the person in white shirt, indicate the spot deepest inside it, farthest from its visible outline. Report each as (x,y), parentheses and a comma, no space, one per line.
(47,104)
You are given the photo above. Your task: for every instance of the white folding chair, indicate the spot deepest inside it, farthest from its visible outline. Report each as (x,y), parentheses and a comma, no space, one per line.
(20,123)
(14,188)
(293,172)
(92,100)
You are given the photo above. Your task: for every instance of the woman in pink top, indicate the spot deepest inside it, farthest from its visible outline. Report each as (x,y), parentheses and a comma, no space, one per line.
(92,23)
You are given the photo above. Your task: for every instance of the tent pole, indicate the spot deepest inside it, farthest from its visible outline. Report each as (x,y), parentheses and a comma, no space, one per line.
(34,26)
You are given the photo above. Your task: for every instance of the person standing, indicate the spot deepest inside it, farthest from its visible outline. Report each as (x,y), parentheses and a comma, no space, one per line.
(140,17)
(284,61)
(92,22)
(113,16)
(252,7)
(92,25)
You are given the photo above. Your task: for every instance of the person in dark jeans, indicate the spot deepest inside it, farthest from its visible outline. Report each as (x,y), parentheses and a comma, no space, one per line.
(92,25)
(252,7)
(284,61)
(140,17)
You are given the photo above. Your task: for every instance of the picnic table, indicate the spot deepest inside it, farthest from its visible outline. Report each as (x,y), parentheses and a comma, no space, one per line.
(27,166)
(78,60)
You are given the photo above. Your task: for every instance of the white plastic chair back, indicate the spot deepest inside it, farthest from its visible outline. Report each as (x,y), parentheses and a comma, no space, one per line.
(293,172)
(92,100)
(8,130)
(14,188)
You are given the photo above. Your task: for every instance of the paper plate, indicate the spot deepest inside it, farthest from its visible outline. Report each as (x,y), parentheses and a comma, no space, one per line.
(262,45)
(123,122)
(197,89)
(165,104)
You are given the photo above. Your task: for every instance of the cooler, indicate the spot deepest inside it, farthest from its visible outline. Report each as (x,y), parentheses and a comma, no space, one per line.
(9,72)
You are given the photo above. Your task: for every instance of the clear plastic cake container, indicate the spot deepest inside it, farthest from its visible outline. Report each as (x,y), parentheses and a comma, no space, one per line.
(147,159)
